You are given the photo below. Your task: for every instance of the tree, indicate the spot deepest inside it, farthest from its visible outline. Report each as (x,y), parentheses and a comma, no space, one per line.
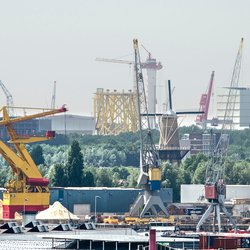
(75,166)
(37,155)
(103,178)
(59,178)
(88,179)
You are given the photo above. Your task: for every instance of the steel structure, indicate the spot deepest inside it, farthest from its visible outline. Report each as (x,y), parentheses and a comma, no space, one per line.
(9,99)
(53,99)
(27,191)
(202,119)
(150,172)
(151,66)
(215,188)
(115,112)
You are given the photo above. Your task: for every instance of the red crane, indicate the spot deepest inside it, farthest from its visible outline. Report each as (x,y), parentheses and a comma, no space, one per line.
(204,103)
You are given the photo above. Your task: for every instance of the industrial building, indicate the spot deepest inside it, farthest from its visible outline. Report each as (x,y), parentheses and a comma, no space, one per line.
(241,115)
(194,193)
(69,123)
(85,200)
(61,124)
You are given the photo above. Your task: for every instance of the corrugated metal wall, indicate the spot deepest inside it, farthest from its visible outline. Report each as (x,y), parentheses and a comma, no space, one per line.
(113,200)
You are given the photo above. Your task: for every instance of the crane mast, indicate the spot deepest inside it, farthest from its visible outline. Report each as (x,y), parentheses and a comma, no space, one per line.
(27,185)
(215,188)
(150,173)
(53,99)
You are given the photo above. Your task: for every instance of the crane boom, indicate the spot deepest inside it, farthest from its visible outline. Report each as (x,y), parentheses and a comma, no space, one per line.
(149,155)
(150,172)
(215,187)
(205,102)
(114,61)
(27,184)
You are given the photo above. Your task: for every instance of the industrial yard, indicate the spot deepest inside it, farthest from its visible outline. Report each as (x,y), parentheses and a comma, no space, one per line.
(124,125)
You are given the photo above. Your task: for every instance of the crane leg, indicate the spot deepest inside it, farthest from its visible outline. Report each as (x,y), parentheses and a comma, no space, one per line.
(217,207)
(229,217)
(153,200)
(204,217)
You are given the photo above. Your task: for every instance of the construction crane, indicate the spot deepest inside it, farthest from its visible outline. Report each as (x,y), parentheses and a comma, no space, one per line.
(9,99)
(150,172)
(201,119)
(27,191)
(215,187)
(53,100)
(151,66)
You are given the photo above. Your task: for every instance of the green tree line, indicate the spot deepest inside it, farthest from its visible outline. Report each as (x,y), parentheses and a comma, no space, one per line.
(113,161)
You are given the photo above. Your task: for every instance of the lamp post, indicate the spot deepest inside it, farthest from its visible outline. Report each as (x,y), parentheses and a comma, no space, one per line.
(96,197)
(24,203)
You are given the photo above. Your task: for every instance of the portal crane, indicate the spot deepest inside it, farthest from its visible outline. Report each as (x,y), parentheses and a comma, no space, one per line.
(27,185)
(9,99)
(204,103)
(150,172)
(215,187)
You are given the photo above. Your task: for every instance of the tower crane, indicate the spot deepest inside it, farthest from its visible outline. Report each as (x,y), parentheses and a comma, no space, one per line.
(150,172)
(151,66)
(215,187)
(9,99)
(27,186)
(53,100)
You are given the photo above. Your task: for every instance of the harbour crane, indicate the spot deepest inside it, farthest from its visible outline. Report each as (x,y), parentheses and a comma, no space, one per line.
(215,187)
(27,191)
(9,99)
(150,172)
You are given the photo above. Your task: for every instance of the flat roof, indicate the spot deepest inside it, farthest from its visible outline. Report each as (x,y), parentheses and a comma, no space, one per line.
(122,236)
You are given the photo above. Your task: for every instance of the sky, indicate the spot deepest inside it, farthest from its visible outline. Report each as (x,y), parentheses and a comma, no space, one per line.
(46,41)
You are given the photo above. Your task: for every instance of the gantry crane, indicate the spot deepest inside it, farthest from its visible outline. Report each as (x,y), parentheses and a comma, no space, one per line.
(215,187)
(9,99)
(150,172)
(27,191)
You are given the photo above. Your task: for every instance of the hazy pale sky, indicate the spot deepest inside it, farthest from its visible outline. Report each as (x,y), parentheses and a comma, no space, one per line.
(47,40)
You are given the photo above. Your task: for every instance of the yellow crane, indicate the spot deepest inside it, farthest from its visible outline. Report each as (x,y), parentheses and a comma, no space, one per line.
(27,191)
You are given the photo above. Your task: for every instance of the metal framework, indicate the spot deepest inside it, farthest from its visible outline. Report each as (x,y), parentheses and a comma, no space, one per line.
(9,99)
(215,187)
(115,112)
(150,172)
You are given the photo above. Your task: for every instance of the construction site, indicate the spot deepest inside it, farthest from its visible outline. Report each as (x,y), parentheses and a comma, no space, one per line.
(211,215)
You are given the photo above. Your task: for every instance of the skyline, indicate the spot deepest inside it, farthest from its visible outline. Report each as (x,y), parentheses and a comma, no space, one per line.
(47,41)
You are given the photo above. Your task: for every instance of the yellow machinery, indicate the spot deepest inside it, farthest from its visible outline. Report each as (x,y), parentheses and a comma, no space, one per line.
(27,191)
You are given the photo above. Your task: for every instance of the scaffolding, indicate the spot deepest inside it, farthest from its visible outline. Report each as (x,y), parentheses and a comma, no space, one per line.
(115,112)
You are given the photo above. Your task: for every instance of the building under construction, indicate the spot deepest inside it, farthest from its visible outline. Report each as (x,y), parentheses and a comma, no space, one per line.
(115,112)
